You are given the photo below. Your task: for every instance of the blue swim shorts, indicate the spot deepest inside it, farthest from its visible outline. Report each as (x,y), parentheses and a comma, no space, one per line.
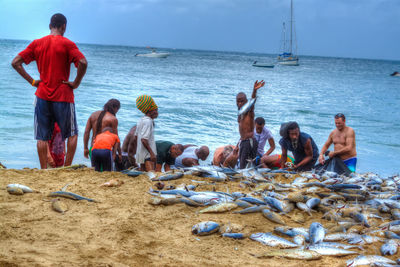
(49,112)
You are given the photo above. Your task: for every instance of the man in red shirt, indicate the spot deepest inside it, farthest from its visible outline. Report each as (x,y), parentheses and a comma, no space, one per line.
(54,94)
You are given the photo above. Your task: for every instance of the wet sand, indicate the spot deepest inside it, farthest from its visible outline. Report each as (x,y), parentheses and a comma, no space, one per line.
(122,229)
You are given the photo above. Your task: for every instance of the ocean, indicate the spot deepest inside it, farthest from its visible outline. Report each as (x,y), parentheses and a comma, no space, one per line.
(195,92)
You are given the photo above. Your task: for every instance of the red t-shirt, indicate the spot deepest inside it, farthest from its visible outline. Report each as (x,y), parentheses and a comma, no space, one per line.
(54,55)
(105,140)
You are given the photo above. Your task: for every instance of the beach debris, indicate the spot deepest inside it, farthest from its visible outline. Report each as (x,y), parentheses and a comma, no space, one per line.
(24,188)
(205,228)
(231,228)
(59,205)
(113,182)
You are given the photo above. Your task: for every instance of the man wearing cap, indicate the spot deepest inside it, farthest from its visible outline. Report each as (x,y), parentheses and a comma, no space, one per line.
(344,142)
(54,94)
(146,150)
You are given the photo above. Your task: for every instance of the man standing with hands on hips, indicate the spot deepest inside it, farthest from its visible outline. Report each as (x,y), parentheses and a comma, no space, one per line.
(54,94)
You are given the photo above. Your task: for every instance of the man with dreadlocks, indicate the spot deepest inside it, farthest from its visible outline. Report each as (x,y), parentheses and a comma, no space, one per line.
(99,120)
(303,147)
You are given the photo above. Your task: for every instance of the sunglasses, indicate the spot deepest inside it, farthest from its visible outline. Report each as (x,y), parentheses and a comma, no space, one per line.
(340,115)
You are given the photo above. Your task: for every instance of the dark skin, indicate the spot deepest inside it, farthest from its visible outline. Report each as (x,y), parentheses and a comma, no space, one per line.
(202,153)
(109,120)
(82,66)
(130,145)
(294,135)
(246,121)
(150,165)
(175,152)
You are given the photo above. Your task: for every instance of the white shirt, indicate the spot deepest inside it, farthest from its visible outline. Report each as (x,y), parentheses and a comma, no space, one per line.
(145,130)
(189,152)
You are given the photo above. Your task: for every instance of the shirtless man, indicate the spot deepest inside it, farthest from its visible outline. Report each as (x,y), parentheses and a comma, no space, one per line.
(99,120)
(247,144)
(129,146)
(344,141)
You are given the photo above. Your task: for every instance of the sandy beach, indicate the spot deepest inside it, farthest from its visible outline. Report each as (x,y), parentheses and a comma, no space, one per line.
(122,229)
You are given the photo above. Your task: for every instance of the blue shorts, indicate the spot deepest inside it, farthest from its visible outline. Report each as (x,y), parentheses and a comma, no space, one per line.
(49,112)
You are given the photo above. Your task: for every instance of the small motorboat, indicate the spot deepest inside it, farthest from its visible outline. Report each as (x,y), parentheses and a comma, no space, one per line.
(153,53)
(396,74)
(262,65)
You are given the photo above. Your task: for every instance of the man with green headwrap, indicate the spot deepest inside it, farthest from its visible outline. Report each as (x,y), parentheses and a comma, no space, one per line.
(146,151)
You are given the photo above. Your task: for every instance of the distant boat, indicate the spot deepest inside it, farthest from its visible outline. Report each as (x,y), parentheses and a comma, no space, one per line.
(397,74)
(289,57)
(262,65)
(153,53)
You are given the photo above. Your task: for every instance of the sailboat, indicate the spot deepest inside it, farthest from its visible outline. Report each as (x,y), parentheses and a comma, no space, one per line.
(289,56)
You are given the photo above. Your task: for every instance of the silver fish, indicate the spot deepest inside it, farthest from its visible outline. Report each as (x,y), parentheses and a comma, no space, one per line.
(246,107)
(24,188)
(368,259)
(330,251)
(205,228)
(317,233)
(272,240)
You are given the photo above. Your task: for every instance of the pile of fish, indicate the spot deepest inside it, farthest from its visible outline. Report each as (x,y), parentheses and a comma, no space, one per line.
(350,215)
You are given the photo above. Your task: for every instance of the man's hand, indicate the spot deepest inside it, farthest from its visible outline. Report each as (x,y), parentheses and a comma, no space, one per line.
(119,157)
(321,159)
(36,83)
(258,85)
(86,153)
(331,154)
(73,85)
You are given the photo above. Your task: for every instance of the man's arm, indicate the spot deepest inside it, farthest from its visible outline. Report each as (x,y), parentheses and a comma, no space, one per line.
(271,142)
(17,65)
(132,150)
(82,66)
(189,162)
(309,154)
(326,146)
(232,158)
(146,144)
(86,137)
(114,151)
(348,147)
(283,157)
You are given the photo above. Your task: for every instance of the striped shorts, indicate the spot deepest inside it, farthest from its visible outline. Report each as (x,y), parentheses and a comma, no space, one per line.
(48,112)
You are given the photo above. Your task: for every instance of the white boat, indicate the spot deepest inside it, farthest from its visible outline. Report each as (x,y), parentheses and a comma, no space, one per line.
(289,57)
(262,65)
(153,53)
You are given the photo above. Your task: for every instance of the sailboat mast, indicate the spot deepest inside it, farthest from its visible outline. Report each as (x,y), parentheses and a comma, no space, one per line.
(291,24)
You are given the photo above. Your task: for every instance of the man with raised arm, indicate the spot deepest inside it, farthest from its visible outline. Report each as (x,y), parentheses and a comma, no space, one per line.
(343,139)
(55,93)
(247,144)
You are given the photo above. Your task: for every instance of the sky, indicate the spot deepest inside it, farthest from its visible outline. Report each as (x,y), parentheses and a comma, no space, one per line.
(336,28)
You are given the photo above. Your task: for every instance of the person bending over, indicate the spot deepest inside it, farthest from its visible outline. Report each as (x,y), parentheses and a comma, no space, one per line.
(104,150)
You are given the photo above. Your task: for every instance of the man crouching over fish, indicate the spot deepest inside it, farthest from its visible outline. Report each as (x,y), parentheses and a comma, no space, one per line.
(247,144)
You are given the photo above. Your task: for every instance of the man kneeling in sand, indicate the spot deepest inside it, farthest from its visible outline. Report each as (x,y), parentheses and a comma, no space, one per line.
(191,156)
(344,142)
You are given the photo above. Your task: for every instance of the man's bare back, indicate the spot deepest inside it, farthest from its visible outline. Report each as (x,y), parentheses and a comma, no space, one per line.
(109,120)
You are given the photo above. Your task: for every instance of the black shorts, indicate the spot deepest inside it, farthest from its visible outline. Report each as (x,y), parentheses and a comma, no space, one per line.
(102,159)
(49,112)
(247,151)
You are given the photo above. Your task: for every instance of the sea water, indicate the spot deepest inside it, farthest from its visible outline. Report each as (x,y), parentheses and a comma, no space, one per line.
(195,92)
